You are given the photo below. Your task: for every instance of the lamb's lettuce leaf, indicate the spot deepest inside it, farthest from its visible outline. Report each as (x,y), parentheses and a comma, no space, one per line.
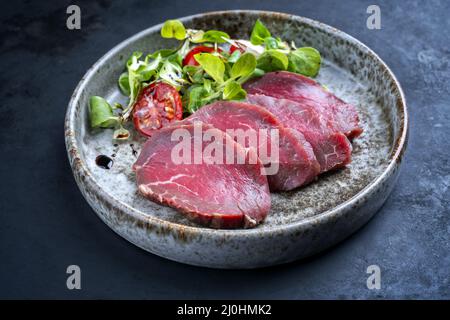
(305,61)
(173,29)
(259,33)
(273,60)
(101,114)
(212,65)
(244,66)
(234,91)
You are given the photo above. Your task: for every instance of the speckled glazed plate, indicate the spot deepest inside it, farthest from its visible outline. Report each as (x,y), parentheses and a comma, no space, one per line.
(301,222)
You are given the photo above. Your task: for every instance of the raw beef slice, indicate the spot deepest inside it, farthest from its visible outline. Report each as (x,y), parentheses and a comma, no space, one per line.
(287,85)
(332,149)
(296,164)
(214,195)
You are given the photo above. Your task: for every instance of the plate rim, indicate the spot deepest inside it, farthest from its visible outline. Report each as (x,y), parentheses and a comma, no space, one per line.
(80,168)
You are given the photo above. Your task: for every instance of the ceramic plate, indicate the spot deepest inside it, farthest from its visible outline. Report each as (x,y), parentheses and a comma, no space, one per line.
(301,222)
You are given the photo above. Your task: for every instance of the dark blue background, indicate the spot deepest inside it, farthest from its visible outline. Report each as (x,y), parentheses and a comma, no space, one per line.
(46,225)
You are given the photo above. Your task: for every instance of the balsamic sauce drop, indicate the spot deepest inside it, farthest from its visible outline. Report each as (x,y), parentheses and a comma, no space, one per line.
(104,162)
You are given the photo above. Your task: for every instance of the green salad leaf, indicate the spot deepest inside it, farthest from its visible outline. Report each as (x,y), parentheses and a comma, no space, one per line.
(134,79)
(173,29)
(196,94)
(101,114)
(233,91)
(212,65)
(194,74)
(259,33)
(172,73)
(270,43)
(124,83)
(149,68)
(273,60)
(214,36)
(195,36)
(305,60)
(139,71)
(244,66)
(207,84)
(164,53)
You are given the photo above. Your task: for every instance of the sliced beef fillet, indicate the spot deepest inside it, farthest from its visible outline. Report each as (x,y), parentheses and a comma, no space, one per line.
(287,85)
(331,148)
(212,194)
(250,125)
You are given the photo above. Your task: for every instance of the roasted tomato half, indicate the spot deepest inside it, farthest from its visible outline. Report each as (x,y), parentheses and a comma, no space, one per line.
(157,105)
(189,59)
